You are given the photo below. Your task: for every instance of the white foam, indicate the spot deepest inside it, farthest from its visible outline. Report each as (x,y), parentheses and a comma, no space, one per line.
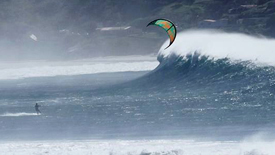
(18,114)
(221,44)
(136,147)
(102,65)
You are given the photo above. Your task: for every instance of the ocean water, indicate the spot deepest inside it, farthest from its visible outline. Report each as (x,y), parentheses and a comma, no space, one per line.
(192,101)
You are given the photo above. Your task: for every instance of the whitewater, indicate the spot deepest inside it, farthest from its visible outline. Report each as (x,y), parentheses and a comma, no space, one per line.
(21,70)
(138,147)
(211,93)
(218,44)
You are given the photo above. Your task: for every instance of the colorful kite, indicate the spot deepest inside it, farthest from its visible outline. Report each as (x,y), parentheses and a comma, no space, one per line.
(168,26)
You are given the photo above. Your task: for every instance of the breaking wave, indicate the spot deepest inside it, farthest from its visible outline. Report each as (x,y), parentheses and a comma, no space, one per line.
(219,45)
(231,73)
(91,66)
(221,60)
(144,147)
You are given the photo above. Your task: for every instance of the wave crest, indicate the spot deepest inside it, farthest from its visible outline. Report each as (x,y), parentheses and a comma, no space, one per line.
(221,45)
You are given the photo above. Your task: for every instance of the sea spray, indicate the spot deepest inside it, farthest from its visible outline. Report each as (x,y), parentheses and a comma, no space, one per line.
(220,44)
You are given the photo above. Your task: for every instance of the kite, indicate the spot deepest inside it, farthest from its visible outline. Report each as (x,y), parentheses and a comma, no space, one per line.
(33,37)
(168,26)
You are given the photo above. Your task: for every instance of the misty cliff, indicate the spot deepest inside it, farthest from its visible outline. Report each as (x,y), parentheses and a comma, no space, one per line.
(77,29)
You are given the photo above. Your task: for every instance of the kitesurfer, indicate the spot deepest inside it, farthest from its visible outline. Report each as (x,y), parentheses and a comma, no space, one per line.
(37,108)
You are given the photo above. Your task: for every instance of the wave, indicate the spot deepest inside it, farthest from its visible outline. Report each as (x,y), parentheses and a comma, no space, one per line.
(205,57)
(140,147)
(18,114)
(204,78)
(219,45)
(65,70)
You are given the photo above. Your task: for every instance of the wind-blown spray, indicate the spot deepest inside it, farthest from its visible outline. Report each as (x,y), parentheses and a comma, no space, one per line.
(219,45)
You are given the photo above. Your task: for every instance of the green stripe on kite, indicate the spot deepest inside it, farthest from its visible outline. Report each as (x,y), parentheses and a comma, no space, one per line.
(168,26)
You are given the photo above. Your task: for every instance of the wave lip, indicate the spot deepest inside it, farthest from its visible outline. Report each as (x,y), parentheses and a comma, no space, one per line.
(219,45)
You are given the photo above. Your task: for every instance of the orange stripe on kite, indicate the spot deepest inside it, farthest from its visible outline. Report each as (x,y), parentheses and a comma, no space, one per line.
(168,26)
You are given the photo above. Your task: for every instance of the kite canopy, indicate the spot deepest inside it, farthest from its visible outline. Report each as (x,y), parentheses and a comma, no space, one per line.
(168,26)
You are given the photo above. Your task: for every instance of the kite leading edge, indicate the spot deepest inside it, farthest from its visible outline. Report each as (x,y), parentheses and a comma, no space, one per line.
(168,26)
